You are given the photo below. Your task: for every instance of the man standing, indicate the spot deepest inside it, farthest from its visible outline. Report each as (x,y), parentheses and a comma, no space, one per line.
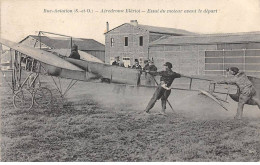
(161,92)
(116,62)
(136,65)
(152,67)
(74,52)
(146,65)
(246,89)
(149,79)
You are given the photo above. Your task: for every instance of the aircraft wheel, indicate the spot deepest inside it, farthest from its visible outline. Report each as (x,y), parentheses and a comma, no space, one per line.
(43,97)
(23,99)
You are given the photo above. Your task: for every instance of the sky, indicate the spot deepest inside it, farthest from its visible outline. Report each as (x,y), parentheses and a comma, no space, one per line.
(20,18)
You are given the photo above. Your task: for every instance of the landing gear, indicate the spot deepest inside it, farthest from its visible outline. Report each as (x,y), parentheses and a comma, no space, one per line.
(42,97)
(26,97)
(23,99)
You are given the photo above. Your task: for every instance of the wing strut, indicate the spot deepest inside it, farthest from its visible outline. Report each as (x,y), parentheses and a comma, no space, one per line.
(59,87)
(72,83)
(59,90)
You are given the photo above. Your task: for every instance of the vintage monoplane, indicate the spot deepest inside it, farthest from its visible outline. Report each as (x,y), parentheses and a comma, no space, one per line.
(51,63)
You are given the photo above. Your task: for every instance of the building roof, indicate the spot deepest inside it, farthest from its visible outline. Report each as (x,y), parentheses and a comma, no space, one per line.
(161,30)
(63,43)
(208,39)
(164,30)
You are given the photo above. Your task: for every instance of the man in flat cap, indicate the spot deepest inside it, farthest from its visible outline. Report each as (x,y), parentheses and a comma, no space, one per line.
(246,88)
(163,89)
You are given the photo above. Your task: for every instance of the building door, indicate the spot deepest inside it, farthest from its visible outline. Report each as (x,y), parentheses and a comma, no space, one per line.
(112,59)
(141,61)
(126,61)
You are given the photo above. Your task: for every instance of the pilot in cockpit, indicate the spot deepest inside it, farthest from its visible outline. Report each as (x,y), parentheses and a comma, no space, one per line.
(74,52)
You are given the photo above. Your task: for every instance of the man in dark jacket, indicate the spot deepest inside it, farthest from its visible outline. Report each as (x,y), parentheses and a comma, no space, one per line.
(74,52)
(167,78)
(149,79)
(152,67)
(146,65)
(136,65)
(116,62)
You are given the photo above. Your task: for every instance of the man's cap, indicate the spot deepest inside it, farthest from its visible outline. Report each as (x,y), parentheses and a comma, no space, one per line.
(168,64)
(234,69)
(136,60)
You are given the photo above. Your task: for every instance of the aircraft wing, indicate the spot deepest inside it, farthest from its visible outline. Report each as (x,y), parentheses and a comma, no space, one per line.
(83,55)
(53,64)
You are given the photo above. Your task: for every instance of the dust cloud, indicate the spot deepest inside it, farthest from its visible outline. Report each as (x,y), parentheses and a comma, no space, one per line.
(129,98)
(119,97)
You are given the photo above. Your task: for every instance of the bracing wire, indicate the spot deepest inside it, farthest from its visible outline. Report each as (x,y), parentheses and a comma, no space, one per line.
(70,86)
(60,84)
(57,86)
(53,81)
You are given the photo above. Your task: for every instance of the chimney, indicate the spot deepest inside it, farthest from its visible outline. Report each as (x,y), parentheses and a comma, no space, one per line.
(134,22)
(107,26)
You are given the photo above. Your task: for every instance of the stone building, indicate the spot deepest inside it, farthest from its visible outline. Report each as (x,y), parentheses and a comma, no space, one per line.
(190,53)
(130,41)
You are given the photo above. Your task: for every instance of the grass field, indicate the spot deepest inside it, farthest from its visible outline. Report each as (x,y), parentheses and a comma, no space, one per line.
(95,123)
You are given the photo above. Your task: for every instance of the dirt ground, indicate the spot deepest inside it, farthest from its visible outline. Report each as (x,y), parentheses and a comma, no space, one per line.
(101,122)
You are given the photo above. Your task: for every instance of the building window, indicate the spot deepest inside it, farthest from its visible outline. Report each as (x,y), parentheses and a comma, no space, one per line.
(126,41)
(127,61)
(141,41)
(112,42)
